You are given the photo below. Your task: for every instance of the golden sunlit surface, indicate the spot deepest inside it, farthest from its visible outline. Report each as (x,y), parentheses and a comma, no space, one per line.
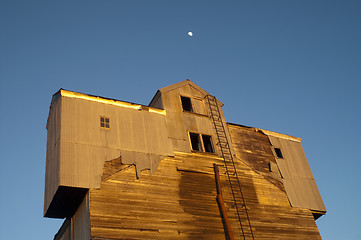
(280,135)
(70,94)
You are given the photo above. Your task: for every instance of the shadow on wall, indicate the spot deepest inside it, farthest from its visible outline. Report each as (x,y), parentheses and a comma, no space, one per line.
(197,192)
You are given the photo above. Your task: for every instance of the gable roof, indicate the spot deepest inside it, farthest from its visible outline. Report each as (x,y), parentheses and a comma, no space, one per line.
(184,83)
(181,84)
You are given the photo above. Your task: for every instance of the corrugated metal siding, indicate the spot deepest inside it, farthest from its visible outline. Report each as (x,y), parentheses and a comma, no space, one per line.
(52,153)
(81,221)
(298,179)
(179,122)
(85,146)
(78,147)
(157,101)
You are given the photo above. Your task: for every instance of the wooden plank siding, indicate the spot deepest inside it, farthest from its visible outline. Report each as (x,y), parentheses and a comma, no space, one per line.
(179,202)
(142,180)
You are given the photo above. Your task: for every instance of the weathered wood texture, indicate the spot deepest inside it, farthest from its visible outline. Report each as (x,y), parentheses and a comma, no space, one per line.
(179,202)
(255,150)
(291,173)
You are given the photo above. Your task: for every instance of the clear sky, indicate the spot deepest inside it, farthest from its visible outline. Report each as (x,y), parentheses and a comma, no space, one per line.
(288,66)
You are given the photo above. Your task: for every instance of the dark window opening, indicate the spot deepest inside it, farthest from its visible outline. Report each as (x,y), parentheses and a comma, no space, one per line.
(104,122)
(278,153)
(207,142)
(201,143)
(195,141)
(186,104)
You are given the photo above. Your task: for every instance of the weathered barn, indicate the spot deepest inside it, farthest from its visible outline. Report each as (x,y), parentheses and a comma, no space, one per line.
(119,170)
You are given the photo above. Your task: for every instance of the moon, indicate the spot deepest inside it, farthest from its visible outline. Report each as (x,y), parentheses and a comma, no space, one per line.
(190,34)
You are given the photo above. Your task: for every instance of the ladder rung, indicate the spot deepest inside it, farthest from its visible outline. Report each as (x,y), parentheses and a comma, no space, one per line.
(230,167)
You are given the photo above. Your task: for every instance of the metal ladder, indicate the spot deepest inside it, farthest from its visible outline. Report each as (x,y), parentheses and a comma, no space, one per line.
(225,150)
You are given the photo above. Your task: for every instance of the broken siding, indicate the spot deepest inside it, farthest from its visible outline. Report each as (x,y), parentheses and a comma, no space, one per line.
(85,145)
(254,149)
(298,179)
(179,202)
(170,204)
(77,161)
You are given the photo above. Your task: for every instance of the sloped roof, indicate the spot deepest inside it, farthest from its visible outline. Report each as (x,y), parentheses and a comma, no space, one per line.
(182,84)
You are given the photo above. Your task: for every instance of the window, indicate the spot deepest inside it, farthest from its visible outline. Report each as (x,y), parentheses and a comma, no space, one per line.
(186,104)
(104,122)
(278,152)
(207,142)
(195,141)
(201,142)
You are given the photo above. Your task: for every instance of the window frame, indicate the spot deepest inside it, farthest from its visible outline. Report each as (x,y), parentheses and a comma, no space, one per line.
(278,153)
(190,101)
(197,105)
(102,120)
(201,142)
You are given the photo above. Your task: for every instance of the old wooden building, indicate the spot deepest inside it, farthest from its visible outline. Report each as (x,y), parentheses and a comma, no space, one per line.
(174,169)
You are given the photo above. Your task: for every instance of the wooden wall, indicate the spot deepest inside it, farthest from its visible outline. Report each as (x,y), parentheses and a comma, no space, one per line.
(176,198)
(178,202)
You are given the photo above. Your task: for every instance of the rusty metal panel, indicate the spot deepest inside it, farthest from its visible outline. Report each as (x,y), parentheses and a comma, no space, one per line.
(297,176)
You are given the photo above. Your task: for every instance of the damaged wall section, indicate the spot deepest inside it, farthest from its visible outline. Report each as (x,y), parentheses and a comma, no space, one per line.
(296,173)
(136,133)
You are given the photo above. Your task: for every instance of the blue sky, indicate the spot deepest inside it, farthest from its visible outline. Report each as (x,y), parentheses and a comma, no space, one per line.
(288,66)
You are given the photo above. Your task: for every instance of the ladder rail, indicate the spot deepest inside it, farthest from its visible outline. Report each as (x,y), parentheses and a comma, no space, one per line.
(226,154)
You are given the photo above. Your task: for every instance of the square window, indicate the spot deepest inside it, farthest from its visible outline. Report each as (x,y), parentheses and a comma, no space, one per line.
(186,104)
(104,122)
(278,152)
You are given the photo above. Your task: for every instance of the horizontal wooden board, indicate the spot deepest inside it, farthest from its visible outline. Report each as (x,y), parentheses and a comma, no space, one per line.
(178,201)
